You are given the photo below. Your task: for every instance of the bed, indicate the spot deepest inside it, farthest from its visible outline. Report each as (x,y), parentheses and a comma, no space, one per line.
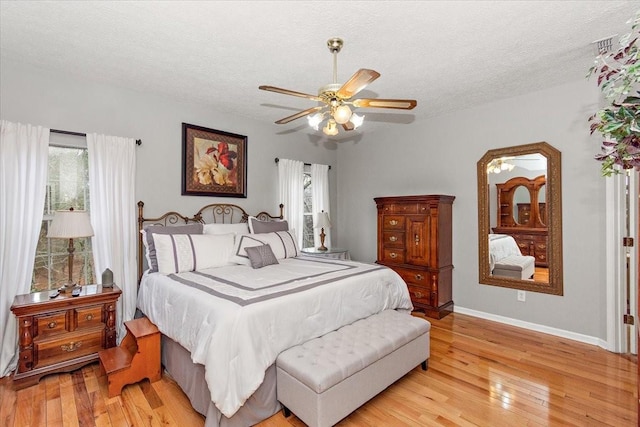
(224,321)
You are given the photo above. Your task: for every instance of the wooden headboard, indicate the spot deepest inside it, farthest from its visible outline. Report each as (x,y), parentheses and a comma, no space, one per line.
(216,213)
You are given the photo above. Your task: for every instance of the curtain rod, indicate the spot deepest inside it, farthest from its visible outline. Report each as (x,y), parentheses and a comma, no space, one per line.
(66,132)
(306,164)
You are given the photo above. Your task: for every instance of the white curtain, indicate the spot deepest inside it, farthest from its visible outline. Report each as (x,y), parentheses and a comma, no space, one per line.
(24,153)
(320,199)
(290,181)
(112,171)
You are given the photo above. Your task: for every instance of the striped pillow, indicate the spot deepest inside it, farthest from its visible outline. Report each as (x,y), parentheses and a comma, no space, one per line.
(283,244)
(191,252)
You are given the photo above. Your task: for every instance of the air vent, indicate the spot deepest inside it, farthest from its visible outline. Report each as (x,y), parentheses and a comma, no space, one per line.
(603,46)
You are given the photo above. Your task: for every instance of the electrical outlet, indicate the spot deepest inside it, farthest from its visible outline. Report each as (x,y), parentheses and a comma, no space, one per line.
(522,296)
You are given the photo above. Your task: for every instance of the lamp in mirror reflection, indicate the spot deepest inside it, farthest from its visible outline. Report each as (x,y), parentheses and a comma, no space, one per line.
(499,165)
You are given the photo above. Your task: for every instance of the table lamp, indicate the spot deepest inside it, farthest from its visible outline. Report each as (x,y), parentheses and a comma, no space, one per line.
(70,225)
(322,222)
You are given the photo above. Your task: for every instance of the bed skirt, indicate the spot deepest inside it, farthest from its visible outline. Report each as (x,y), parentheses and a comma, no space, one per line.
(191,379)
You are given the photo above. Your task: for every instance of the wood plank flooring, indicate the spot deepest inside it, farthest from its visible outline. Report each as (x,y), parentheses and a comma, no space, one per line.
(481,373)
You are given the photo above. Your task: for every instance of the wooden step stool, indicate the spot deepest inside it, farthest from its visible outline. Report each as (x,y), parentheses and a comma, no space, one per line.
(137,357)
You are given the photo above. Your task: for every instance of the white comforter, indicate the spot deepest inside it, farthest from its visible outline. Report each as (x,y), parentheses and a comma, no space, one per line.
(236,320)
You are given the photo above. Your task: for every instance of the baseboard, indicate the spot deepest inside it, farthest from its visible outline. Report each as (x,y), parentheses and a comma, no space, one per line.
(533,326)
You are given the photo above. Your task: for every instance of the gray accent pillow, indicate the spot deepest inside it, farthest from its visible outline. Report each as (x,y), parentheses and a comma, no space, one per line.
(161,229)
(258,227)
(261,256)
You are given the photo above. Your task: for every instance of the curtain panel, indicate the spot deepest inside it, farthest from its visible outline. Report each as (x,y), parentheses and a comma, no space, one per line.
(290,181)
(320,199)
(112,172)
(24,155)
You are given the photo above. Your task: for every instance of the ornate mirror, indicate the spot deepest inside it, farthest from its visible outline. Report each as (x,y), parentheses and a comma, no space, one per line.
(520,218)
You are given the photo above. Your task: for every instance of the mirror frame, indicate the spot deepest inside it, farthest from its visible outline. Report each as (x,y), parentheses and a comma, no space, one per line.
(554,219)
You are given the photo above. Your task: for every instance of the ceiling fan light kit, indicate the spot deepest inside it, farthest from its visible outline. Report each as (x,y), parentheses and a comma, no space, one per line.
(334,99)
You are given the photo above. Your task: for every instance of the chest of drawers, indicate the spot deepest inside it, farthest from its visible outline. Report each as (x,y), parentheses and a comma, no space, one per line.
(64,333)
(414,239)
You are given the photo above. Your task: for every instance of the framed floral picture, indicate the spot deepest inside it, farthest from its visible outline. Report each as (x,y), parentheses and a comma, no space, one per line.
(214,163)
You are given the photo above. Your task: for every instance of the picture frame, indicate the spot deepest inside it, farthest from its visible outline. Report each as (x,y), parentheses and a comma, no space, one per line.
(214,162)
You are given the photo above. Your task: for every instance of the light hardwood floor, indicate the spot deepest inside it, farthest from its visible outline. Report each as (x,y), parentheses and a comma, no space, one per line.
(480,373)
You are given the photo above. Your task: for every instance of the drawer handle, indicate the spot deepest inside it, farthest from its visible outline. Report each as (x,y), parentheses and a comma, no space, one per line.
(393,238)
(72,346)
(393,255)
(419,277)
(89,317)
(418,294)
(52,325)
(393,222)
(416,238)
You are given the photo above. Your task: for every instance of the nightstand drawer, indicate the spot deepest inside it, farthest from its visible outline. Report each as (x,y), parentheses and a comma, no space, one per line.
(69,346)
(51,324)
(89,317)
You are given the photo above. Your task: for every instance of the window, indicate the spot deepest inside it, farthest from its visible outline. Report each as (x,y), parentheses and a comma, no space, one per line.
(307,232)
(67,186)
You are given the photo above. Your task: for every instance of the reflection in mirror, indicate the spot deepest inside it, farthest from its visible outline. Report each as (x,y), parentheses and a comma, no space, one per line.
(542,205)
(519,217)
(521,199)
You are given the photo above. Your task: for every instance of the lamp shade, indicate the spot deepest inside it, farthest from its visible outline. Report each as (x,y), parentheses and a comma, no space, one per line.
(322,220)
(70,224)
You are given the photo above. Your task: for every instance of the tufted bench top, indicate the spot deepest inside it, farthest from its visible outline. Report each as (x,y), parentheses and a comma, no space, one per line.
(515,262)
(326,361)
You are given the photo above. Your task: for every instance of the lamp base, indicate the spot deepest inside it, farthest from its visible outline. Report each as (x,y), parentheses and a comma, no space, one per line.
(322,236)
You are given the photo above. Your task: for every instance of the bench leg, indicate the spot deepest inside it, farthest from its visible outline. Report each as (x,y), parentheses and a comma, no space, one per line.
(286,411)
(425,365)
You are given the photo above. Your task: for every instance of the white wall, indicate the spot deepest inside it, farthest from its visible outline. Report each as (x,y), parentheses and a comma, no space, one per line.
(439,156)
(40,97)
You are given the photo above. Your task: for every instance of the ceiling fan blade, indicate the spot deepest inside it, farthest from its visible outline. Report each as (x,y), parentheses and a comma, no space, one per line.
(357,82)
(290,92)
(300,114)
(400,104)
(348,126)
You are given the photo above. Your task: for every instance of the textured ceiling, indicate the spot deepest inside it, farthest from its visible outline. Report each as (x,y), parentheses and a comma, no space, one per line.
(445,54)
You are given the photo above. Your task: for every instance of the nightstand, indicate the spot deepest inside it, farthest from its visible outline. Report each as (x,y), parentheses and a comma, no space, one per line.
(335,253)
(64,333)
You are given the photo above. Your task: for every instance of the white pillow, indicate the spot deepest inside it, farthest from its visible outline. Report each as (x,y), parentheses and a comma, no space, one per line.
(283,244)
(191,252)
(238,228)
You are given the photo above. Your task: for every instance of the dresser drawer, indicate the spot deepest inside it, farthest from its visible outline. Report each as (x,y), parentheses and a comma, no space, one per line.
(393,222)
(413,276)
(419,294)
(393,239)
(68,346)
(89,317)
(404,208)
(395,256)
(51,324)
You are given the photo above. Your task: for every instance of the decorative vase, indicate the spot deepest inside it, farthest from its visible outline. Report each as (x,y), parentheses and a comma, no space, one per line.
(107,278)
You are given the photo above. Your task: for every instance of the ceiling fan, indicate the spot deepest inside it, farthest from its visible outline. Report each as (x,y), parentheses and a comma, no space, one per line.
(335,98)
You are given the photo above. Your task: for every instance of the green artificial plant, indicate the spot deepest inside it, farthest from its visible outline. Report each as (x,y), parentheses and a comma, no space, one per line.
(618,74)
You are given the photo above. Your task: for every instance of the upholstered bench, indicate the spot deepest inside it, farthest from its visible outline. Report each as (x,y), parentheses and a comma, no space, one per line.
(516,266)
(327,378)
